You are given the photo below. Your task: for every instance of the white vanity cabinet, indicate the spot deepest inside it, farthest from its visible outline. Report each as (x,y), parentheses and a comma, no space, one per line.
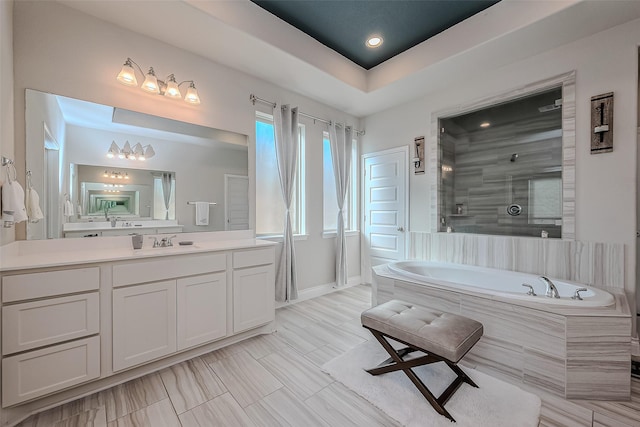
(94,318)
(253,288)
(152,320)
(50,326)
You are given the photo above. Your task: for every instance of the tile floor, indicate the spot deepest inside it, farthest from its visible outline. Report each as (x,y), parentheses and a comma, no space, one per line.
(276,380)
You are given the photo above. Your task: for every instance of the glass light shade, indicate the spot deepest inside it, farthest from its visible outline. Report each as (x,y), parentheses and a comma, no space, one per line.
(126,150)
(113,150)
(172,90)
(192,95)
(127,75)
(151,82)
(149,152)
(138,152)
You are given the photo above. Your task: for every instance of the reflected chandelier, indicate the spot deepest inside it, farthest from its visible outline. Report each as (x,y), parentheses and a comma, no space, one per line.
(151,84)
(138,152)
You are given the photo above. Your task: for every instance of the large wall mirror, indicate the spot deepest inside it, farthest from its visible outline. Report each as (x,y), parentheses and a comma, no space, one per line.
(85,192)
(506,166)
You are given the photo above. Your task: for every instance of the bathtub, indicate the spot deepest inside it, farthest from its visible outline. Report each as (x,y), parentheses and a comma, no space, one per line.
(503,283)
(571,348)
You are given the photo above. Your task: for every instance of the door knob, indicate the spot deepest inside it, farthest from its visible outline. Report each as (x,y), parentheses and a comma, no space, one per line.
(400,229)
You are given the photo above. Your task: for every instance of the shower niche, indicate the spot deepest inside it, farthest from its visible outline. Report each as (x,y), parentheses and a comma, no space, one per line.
(500,167)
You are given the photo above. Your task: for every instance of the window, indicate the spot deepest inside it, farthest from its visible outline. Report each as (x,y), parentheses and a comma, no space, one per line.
(330,200)
(269,204)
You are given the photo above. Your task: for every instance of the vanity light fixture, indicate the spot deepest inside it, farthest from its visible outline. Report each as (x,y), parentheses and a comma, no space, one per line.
(151,84)
(115,175)
(138,152)
(485,125)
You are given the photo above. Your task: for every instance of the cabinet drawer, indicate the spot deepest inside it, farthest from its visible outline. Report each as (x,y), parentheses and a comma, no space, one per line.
(39,323)
(51,283)
(39,372)
(250,258)
(167,268)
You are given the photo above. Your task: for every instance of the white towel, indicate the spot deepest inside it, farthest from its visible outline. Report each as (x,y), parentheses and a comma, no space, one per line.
(33,205)
(79,209)
(13,201)
(68,208)
(202,213)
(8,201)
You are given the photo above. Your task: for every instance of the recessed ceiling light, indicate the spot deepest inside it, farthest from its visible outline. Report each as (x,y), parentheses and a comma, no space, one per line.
(374,41)
(485,124)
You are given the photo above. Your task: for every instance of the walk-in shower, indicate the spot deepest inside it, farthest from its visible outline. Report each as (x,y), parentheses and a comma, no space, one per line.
(501,168)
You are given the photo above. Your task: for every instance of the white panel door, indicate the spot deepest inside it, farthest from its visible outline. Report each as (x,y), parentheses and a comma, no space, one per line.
(236,202)
(144,323)
(385,182)
(202,309)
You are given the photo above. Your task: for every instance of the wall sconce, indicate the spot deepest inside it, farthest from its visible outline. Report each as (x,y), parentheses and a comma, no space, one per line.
(138,152)
(418,159)
(151,84)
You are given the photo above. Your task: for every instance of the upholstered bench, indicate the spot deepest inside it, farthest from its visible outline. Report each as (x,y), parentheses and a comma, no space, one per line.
(443,337)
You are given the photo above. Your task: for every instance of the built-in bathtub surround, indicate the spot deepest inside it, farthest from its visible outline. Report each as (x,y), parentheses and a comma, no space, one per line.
(571,351)
(438,183)
(596,264)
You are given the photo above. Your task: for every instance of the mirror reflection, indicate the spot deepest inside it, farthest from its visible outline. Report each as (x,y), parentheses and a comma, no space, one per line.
(70,149)
(501,168)
(123,193)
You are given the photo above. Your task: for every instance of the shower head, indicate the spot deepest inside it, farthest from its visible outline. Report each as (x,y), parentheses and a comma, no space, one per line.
(514,156)
(551,107)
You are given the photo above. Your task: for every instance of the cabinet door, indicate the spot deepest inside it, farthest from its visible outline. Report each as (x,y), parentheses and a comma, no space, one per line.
(144,323)
(202,309)
(253,297)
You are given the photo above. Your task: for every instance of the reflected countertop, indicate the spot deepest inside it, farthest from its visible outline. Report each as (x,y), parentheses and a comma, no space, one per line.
(121,224)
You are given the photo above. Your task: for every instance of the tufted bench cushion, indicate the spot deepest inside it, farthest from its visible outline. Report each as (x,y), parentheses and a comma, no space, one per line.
(447,335)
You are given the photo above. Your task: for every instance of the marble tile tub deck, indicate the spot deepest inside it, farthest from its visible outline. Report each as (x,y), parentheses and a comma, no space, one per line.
(246,384)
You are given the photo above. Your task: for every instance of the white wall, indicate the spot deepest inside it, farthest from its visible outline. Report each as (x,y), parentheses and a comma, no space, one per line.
(606,183)
(78,56)
(7,235)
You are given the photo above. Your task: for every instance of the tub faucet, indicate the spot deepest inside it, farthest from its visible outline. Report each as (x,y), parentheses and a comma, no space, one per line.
(551,291)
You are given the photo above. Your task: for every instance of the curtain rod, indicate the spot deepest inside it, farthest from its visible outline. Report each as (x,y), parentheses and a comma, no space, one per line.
(255,99)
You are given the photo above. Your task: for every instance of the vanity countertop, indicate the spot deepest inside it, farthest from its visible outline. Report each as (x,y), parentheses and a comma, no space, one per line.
(22,255)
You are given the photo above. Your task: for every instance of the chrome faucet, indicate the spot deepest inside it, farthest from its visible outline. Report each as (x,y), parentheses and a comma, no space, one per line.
(551,291)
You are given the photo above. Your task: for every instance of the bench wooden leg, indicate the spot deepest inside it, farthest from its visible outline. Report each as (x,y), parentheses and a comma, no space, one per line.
(396,363)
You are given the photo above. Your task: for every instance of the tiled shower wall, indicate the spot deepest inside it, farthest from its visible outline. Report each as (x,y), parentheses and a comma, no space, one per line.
(596,264)
(485,179)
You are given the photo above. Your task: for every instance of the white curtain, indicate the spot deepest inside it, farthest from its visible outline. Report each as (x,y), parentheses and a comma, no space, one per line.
(166,191)
(286,133)
(341,141)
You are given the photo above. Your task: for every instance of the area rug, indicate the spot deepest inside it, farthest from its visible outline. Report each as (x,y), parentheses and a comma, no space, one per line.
(494,404)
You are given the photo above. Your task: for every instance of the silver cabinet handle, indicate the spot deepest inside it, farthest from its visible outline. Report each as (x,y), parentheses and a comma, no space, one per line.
(400,229)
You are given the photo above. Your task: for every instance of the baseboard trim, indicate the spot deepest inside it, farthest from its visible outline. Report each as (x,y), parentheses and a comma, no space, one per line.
(320,290)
